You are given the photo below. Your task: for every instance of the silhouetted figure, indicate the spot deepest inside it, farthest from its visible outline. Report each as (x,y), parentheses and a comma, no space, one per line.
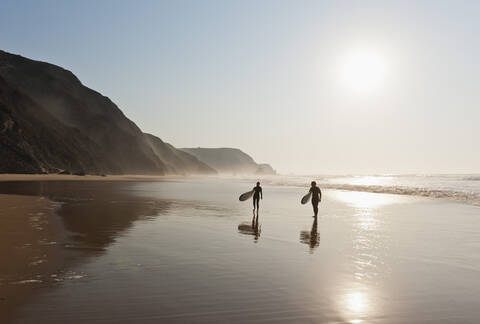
(316,197)
(257,195)
(311,238)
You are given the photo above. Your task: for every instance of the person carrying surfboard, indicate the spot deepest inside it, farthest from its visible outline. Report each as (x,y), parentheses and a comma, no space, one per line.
(316,197)
(257,195)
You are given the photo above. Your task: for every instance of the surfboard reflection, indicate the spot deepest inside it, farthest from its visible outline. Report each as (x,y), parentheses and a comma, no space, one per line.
(312,237)
(251,228)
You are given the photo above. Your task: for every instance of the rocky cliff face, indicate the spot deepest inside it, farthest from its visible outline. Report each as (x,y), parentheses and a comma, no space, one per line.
(229,161)
(33,141)
(49,121)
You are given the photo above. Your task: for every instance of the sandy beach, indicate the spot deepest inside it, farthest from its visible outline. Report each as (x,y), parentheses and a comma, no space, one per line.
(69,177)
(29,232)
(182,252)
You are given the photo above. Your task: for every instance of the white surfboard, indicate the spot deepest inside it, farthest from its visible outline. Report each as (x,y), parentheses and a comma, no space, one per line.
(306,198)
(246,196)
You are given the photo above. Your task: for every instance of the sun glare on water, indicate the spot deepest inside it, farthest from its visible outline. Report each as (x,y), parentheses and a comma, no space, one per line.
(364,70)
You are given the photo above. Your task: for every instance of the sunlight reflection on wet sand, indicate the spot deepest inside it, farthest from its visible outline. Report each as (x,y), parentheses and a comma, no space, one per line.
(357,303)
(367,200)
(368,240)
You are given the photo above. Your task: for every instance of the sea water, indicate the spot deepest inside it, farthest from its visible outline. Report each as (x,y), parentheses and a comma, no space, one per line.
(462,188)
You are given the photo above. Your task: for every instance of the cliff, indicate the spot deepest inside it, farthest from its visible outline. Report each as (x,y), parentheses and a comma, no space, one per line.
(50,122)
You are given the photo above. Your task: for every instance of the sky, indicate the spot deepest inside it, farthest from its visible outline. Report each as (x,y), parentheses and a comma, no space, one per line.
(311,87)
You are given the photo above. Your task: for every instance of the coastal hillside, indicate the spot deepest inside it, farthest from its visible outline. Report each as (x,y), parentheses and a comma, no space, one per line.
(33,141)
(50,122)
(229,160)
(175,160)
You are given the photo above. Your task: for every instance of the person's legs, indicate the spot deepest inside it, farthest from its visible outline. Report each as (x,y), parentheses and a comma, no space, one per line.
(255,203)
(315,207)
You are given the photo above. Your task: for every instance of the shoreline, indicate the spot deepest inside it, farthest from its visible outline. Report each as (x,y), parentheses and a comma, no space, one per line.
(467,198)
(6,177)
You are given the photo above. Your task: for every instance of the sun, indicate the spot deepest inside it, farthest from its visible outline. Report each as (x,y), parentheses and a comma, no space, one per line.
(364,70)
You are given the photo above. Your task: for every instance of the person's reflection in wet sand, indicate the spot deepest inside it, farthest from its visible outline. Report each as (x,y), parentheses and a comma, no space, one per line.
(251,228)
(312,237)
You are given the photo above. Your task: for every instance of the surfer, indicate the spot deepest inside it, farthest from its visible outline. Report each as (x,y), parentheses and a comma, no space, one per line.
(257,195)
(316,197)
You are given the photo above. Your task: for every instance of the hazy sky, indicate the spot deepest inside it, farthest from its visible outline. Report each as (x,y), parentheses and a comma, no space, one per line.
(308,86)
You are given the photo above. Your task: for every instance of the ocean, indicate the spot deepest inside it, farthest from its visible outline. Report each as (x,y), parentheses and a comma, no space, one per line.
(455,187)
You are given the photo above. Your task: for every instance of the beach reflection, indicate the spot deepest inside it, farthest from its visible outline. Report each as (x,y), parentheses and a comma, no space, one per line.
(87,218)
(356,302)
(251,228)
(356,306)
(93,214)
(312,237)
(366,200)
(369,242)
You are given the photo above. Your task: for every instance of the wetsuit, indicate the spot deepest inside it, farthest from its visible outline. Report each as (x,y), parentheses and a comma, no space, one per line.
(256,196)
(316,197)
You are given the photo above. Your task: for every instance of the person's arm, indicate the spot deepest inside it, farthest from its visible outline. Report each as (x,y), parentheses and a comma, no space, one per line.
(261,193)
(319,194)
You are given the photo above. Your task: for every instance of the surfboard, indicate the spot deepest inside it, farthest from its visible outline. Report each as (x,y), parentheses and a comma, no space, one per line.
(246,196)
(306,198)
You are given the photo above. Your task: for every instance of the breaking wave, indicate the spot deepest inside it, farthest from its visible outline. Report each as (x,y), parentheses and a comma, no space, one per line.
(472,178)
(459,188)
(458,196)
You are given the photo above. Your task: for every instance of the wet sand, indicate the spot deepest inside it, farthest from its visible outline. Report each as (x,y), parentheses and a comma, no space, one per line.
(29,233)
(189,252)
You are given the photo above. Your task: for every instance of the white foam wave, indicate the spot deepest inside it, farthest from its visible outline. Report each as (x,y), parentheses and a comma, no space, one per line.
(459,188)
(472,178)
(459,196)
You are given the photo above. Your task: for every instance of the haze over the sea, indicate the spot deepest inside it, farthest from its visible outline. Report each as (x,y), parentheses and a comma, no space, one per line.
(310,87)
